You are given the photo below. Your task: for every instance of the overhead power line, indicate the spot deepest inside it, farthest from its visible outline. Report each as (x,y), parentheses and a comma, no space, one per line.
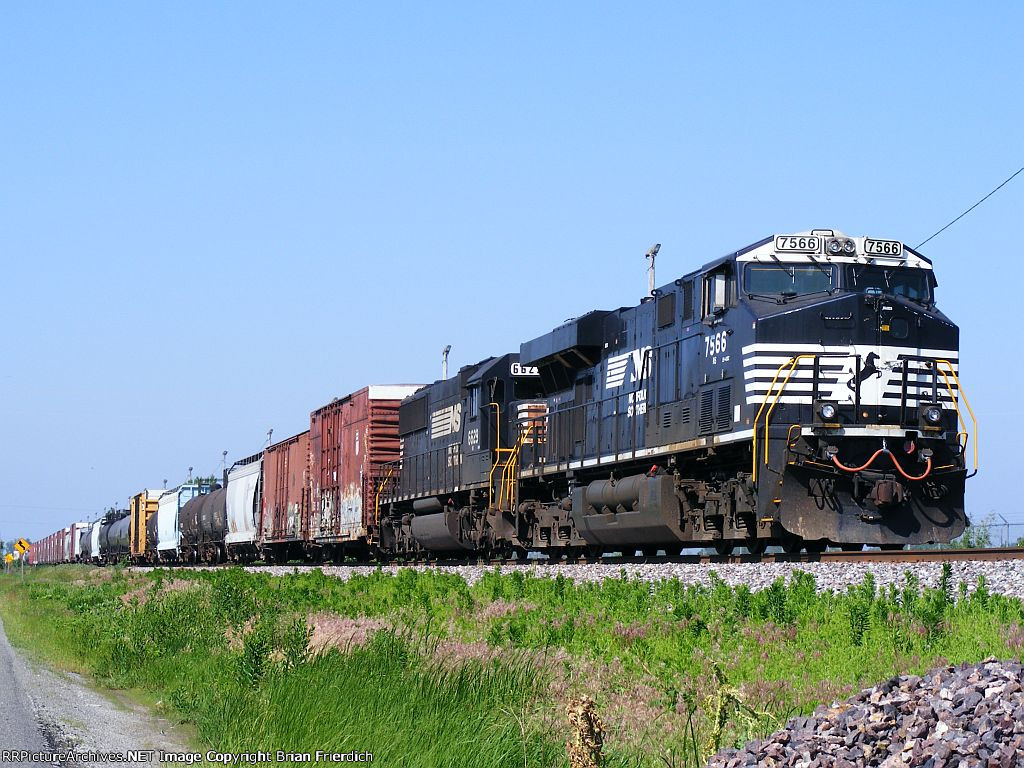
(986,197)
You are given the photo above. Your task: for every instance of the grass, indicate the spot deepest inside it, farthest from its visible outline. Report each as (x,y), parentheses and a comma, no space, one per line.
(422,670)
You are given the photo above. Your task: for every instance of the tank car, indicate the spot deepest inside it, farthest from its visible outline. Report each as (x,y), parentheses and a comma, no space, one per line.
(113,536)
(802,391)
(202,522)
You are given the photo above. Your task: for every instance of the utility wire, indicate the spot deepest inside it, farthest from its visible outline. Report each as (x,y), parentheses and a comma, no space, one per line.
(986,197)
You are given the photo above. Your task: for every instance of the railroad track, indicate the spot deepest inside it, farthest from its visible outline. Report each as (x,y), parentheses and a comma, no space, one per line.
(865,556)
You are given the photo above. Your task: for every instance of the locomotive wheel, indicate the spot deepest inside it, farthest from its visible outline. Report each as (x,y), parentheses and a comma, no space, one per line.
(756,546)
(595,552)
(723,547)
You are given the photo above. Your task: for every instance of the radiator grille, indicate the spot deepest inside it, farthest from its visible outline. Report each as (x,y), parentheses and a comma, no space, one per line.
(723,408)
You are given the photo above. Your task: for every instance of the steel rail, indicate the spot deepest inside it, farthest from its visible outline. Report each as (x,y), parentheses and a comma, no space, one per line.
(864,556)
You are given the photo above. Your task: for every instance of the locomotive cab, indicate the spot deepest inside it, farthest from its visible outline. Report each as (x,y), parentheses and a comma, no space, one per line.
(852,392)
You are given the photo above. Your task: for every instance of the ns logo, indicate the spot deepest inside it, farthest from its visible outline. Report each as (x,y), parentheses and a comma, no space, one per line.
(446,421)
(636,363)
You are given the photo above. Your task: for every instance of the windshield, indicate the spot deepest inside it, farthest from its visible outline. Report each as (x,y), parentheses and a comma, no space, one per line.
(898,281)
(788,279)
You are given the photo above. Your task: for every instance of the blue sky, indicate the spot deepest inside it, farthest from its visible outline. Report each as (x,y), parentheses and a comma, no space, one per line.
(216,217)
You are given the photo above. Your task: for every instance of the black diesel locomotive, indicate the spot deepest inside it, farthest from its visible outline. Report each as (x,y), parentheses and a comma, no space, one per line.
(802,391)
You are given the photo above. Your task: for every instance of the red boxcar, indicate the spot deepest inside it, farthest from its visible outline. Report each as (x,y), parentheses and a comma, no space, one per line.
(350,438)
(49,549)
(284,516)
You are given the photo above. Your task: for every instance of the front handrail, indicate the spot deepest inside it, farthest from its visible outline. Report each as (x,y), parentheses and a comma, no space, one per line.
(956,404)
(792,362)
(789,366)
(796,359)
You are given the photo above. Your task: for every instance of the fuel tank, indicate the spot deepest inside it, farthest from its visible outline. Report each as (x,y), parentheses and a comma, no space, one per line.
(439,533)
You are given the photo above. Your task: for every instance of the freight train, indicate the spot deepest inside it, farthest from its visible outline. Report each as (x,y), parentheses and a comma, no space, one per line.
(802,392)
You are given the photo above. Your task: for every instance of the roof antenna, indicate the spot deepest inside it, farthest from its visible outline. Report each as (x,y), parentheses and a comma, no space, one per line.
(444,361)
(651,253)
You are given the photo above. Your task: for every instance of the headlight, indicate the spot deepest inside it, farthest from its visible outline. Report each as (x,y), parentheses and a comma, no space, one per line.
(835,246)
(827,411)
(933,414)
(849,247)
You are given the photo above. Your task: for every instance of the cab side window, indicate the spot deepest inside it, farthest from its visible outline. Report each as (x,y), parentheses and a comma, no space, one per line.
(716,296)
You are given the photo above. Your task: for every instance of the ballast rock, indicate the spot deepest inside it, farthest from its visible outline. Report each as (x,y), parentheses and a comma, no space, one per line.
(967,715)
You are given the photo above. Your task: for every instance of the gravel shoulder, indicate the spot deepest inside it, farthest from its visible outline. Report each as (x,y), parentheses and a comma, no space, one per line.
(68,715)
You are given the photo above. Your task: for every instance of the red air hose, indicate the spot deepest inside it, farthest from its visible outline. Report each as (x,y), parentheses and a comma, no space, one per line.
(927,469)
(869,462)
(865,465)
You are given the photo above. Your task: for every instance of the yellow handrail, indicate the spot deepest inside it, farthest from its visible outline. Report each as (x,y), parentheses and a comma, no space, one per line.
(771,388)
(956,404)
(789,434)
(380,490)
(498,450)
(508,474)
(778,394)
(792,364)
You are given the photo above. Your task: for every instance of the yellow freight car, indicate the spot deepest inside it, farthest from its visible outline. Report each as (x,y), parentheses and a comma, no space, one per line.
(143,506)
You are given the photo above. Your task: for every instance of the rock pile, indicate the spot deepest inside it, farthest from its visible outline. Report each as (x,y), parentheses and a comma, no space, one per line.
(954,716)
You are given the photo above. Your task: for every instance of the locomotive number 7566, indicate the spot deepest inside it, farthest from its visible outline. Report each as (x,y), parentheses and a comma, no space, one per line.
(715,343)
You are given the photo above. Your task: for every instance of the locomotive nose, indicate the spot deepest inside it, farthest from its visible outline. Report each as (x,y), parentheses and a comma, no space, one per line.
(849,319)
(889,318)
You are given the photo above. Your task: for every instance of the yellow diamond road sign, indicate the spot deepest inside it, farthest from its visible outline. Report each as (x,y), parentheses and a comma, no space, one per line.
(21,545)
(9,557)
